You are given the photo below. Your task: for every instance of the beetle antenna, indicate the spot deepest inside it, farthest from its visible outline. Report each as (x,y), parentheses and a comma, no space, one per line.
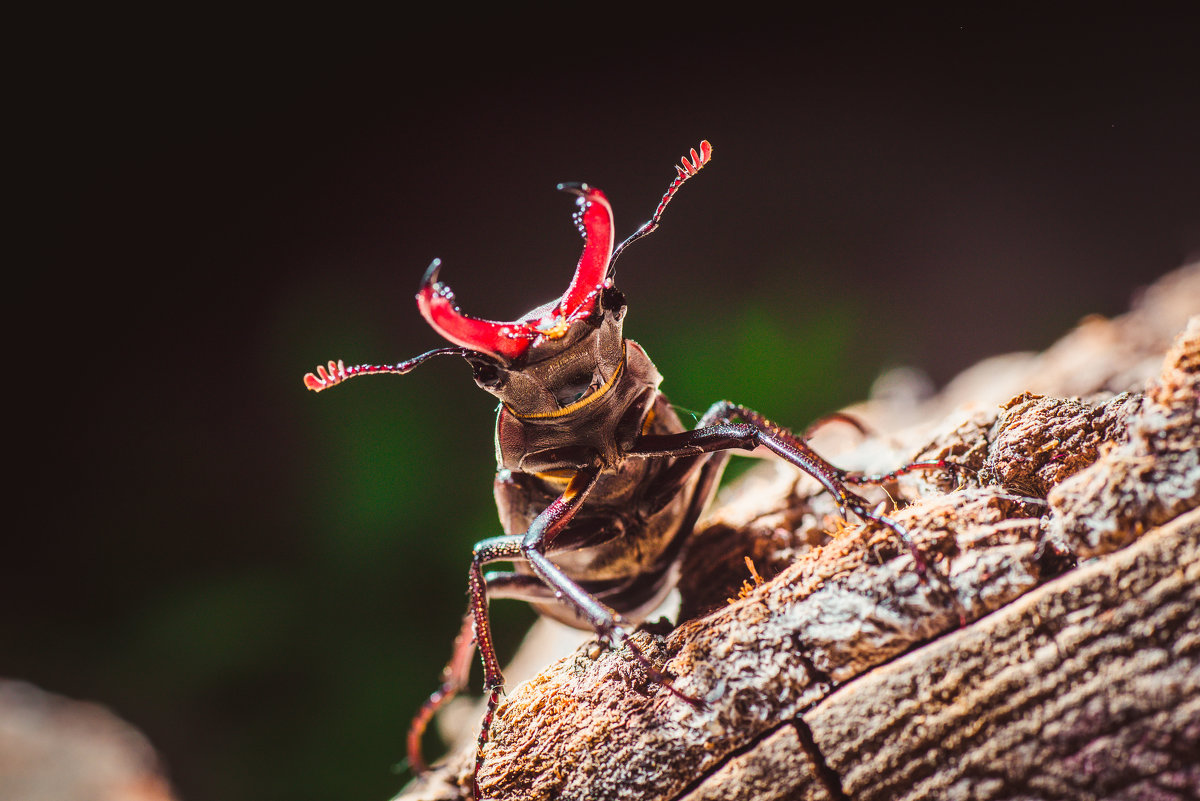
(684,170)
(334,373)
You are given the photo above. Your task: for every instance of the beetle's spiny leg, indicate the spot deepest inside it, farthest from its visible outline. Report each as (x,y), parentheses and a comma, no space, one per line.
(454,678)
(793,450)
(493,679)
(664,680)
(489,550)
(485,730)
(785,444)
(919,562)
(553,519)
(456,674)
(716,432)
(846,477)
(883,478)
(606,623)
(476,631)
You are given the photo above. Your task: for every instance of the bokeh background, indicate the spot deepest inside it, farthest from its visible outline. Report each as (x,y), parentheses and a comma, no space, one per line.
(266,581)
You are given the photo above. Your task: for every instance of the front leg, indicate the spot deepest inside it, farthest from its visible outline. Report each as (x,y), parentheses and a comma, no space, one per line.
(476,630)
(716,431)
(607,624)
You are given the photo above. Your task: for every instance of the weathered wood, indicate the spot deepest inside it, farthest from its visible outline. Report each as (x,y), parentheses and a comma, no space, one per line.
(1088,687)
(1008,672)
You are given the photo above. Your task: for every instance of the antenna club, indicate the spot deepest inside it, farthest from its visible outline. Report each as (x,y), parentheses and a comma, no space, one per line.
(690,168)
(326,378)
(684,170)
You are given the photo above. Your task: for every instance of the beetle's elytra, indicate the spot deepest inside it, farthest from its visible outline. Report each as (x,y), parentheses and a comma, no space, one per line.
(598,482)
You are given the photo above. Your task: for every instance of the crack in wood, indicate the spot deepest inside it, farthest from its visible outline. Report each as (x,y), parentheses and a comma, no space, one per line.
(829,778)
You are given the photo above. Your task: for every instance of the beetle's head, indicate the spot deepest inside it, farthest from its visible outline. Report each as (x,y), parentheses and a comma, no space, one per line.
(560,353)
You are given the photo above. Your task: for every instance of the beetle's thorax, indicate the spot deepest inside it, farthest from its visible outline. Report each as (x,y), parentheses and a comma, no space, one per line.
(584,405)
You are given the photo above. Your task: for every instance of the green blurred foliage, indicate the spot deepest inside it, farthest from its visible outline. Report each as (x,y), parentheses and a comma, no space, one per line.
(789,366)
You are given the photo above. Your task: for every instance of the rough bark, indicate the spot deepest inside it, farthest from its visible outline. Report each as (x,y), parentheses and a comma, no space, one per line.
(1052,652)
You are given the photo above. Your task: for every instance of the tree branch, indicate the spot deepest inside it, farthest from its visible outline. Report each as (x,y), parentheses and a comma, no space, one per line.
(1010,672)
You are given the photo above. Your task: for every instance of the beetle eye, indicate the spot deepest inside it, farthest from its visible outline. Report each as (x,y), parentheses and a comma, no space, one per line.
(577,388)
(487,375)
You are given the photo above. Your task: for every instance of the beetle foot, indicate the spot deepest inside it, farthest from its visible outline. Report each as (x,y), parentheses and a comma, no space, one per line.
(662,678)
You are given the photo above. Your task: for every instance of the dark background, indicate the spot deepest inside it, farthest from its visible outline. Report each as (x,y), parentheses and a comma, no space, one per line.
(266,581)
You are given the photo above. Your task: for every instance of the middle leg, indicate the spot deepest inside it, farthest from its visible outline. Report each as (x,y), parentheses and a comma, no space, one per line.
(717,431)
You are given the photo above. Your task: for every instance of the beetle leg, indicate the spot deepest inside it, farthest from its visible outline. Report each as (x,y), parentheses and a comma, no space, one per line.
(553,519)
(555,584)
(860,478)
(607,623)
(516,587)
(457,672)
(454,677)
(723,411)
(880,478)
(716,432)
(475,630)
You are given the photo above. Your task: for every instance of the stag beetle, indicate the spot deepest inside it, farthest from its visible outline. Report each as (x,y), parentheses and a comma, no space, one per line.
(598,482)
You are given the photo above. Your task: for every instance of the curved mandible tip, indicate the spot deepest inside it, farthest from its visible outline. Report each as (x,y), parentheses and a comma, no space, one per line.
(594,219)
(503,341)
